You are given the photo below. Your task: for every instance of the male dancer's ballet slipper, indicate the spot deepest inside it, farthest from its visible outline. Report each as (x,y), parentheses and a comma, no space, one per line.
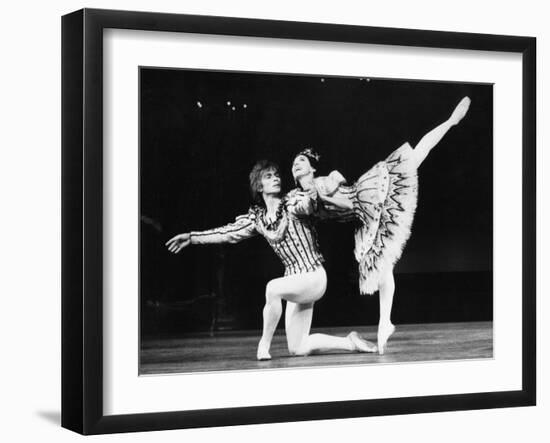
(384,333)
(460,110)
(360,344)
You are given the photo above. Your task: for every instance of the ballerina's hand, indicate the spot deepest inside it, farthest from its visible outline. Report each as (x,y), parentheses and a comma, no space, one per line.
(177,243)
(326,202)
(312,193)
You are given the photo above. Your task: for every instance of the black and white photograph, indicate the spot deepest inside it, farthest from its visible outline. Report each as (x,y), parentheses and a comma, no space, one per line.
(294,221)
(275,221)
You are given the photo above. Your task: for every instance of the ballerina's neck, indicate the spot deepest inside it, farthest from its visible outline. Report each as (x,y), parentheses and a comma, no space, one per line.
(307,182)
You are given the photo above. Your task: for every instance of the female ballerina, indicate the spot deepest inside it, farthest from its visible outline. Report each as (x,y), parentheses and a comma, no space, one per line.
(290,233)
(383,200)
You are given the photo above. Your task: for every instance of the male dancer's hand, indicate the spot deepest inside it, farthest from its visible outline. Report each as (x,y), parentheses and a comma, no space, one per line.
(177,243)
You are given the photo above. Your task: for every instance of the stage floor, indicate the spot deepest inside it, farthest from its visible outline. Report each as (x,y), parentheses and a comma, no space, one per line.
(230,351)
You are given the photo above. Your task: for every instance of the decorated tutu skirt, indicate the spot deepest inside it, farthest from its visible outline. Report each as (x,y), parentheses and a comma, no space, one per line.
(384,200)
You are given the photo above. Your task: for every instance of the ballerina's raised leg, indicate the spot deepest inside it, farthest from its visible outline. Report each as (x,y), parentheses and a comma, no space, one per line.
(432,138)
(387,283)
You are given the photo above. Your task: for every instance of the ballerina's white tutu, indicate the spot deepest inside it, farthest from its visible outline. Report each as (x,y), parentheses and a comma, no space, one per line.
(384,202)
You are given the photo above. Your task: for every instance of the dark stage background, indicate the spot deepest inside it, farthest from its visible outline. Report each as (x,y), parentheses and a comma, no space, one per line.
(196,151)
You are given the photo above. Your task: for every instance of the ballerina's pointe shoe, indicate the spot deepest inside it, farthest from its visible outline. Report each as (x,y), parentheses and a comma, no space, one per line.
(460,110)
(384,333)
(263,353)
(360,344)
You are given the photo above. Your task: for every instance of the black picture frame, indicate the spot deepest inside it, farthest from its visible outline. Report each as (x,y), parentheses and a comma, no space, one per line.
(82,220)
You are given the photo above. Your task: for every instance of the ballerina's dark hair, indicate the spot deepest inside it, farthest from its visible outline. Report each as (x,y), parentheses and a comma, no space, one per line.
(255,178)
(311,155)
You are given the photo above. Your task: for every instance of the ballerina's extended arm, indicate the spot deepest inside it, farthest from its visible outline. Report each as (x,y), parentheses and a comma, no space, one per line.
(337,202)
(327,188)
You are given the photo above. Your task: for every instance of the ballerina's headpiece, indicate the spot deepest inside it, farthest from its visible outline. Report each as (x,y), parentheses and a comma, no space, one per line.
(312,156)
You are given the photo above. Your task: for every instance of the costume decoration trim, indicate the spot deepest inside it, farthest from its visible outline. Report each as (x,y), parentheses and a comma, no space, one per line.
(275,230)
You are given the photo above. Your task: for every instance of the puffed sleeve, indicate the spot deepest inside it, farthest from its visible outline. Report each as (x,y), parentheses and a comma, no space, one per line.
(244,227)
(333,181)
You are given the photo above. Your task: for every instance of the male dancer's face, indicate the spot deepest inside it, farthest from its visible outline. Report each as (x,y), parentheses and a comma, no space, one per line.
(271,182)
